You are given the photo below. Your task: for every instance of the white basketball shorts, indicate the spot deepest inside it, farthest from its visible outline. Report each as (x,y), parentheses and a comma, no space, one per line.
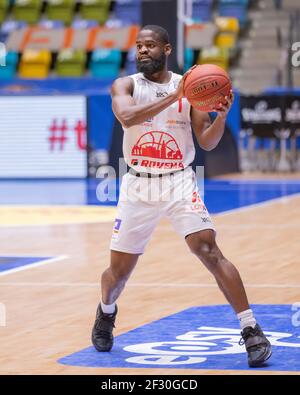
(144,201)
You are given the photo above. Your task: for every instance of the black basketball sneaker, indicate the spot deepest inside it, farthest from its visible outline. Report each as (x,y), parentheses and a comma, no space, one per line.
(102,337)
(257,345)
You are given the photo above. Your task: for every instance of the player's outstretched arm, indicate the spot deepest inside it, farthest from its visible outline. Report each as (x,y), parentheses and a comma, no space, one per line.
(128,112)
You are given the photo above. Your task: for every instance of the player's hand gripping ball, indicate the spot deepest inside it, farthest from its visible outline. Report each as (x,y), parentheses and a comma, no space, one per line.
(206,87)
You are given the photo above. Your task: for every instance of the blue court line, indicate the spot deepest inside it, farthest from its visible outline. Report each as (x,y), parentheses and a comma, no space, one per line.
(8,263)
(219,196)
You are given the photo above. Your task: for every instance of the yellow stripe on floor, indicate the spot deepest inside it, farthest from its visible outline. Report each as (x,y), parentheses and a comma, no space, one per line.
(54,215)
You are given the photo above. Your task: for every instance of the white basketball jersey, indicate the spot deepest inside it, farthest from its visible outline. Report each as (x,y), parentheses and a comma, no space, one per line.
(163,143)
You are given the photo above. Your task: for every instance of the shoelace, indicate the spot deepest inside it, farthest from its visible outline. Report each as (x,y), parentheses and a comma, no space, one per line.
(108,319)
(104,334)
(249,333)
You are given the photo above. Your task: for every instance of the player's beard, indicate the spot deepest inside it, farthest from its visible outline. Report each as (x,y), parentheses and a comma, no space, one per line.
(152,66)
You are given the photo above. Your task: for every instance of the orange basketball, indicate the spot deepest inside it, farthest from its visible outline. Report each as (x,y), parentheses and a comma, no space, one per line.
(206,87)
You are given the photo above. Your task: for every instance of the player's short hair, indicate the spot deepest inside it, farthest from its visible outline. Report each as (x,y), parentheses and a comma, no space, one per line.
(160,31)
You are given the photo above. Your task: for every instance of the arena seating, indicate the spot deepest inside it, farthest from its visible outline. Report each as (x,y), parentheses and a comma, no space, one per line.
(128,11)
(27,10)
(97,10)
(3,9)
(60,10)
(214,55)
(202,10)
(9,69)
(228,32)
(212,36)
(105,63)
(35,63)
(234,8)
(8,26)
(70,63)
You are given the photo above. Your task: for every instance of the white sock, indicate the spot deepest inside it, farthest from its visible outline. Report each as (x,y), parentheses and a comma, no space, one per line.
(108,308)
(246,318)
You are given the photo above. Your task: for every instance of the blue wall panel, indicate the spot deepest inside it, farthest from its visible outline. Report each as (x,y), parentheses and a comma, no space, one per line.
(100,121)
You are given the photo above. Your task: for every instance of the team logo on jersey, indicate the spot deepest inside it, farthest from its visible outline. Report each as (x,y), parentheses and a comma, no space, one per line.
(202,337)
(158,145)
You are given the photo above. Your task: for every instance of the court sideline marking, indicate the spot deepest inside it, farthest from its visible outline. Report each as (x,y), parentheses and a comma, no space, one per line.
(166,285)
(31,265)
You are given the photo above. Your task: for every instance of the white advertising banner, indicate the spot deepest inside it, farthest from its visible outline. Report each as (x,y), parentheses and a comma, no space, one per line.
(43,136)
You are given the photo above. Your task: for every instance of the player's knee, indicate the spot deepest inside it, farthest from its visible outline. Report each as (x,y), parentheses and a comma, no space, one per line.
(202,248)
(207,252)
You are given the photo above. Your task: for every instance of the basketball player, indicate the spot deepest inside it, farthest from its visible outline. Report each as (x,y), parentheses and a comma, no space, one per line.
(158,147)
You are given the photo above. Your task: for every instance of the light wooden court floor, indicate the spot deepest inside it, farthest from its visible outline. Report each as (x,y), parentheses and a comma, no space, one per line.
(50,309)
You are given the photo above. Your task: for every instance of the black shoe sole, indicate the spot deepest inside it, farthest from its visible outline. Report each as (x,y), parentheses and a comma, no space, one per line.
(256,364)
(102,349)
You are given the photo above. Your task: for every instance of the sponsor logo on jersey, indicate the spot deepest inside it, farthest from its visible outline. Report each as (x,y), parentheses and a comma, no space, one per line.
(162,94)
(198,205)
(175,124)
(157,165)
(161,165)
(148,122)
